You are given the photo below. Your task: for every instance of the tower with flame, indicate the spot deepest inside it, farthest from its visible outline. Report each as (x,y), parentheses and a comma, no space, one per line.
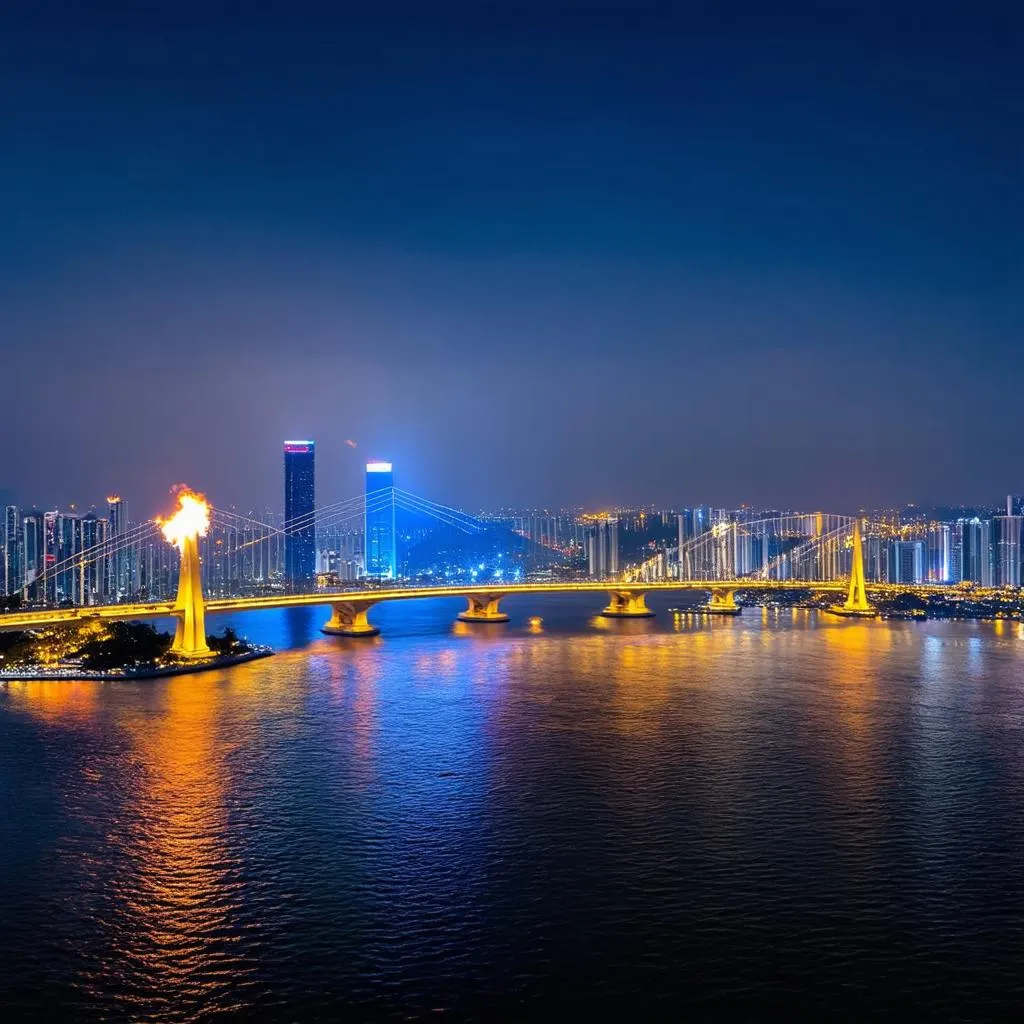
(190,521)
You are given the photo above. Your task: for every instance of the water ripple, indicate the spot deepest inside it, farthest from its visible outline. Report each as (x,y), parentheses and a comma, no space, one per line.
(774,814)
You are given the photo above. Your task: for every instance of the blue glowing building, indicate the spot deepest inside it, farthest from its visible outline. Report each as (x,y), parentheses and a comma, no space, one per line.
(381,554)
(299,509)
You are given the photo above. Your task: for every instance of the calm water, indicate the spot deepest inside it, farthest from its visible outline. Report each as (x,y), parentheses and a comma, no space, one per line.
(775,811)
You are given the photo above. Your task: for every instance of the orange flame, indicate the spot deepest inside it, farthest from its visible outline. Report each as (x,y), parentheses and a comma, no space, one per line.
(191,519)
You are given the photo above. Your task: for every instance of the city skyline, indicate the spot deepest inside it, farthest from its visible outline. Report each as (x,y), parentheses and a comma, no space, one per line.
(387,534)
(276,499)
(756,257)
(511,510)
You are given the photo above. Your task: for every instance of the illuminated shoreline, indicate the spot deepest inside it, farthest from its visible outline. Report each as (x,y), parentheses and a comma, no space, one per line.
(148,672)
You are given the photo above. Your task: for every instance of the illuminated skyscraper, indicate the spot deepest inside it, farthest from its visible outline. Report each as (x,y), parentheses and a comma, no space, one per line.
(299,509)
(603,549)
(69,539)
(380,544)
(90,568)
(116,583)
(940,553)
(975,543)
(33,555)
(50,546)
(1007,534)
(906,561)
(12,571)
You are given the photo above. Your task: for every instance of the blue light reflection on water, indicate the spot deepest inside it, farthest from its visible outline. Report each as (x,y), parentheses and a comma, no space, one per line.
(449,816)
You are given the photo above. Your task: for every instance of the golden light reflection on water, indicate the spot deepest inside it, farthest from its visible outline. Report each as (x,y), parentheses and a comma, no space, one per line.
(187,883)
(167,874)
(662,731)
(55,700)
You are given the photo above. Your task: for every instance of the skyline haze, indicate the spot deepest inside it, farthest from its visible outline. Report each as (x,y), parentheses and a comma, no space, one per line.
(642,256)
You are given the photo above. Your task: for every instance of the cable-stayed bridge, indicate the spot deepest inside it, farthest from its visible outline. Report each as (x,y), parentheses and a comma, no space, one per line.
(236,566)
(239,552)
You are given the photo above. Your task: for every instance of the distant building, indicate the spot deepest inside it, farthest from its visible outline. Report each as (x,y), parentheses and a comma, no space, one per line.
(69,541)
(974,541)
(118,581)
(939,541)
(91,571)
(1006,549)
(299,514)
(33,552)
(13,574)
(906,561)
(380,544)
(603,549)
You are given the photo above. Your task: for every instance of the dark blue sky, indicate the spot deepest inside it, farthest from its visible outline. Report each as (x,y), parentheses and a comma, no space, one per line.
(534,253)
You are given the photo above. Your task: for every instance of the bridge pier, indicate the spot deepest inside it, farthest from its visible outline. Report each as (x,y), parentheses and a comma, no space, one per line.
(723,602)
(483,608)
(348,618)
(626,604)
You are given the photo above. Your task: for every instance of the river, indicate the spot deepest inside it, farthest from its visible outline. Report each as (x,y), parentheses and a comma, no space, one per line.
(780,812)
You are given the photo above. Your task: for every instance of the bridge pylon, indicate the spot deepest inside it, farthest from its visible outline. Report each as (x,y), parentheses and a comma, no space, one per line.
(189,608)
(856,604)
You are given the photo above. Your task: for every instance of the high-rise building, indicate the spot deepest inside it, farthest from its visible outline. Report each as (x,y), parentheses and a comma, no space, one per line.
(69,539)
(50,546)
(299,514)
(940,553)
(603,549)
(12,570)
(906,561)
(1006,548)
(117,583)
(975,547)
(91,567)
(33,553)
(381,555)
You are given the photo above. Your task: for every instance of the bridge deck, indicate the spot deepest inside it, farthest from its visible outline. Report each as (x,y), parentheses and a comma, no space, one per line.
(162,609)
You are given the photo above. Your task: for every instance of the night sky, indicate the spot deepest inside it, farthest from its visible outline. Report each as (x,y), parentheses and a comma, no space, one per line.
(535,253)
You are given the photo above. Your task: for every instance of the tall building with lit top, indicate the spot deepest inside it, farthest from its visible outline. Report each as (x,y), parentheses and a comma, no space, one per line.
(1007,545)
(12,566)
(33,554)
(117,584)
(299,509)
(974,541)
(381,555)
(603,549)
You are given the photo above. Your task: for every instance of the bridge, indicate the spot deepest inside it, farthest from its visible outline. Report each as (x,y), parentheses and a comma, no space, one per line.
(708,564)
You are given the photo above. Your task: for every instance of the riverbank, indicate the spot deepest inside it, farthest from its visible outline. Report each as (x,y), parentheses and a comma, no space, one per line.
(72,674)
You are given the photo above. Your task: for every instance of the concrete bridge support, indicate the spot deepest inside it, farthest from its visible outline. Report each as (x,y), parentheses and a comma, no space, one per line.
(723,602)
(627,604)
(483,608)
(189,609)
(348,618)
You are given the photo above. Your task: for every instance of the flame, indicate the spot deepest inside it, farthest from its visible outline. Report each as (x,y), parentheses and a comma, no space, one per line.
(192,518)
